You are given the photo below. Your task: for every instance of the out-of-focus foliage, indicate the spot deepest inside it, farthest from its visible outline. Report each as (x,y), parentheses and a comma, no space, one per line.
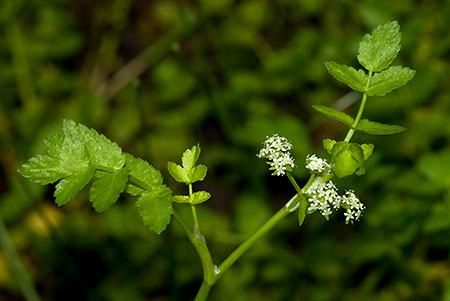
(160,76)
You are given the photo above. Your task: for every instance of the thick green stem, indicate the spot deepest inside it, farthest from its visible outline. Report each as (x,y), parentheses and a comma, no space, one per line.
(16,266)
(198,241)
(203,292)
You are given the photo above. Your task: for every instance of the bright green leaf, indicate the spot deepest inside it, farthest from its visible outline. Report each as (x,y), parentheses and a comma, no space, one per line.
(182,199)
(134,190)
(155,208)
(199,197)
(190,157)
(347,158)
(43,169)
(328,145)
(334,114)
(178,173)
(102,151)
(367,150)
(142,172)
(357,80)
(68,187)
(198,173)
(106,189)
(387,80)
(302,209)
(376,128)
(379,49)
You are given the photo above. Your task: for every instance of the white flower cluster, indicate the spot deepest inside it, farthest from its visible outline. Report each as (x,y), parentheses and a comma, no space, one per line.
(276,149)
(314,163)
(325,197)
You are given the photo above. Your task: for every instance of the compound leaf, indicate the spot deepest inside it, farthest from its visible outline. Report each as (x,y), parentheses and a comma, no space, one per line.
(178,173)
(379,49)
(190,156)
(106,189)
(357,80)
(387,80)
(155,208)
(68,187)
(43,169)
(334,114)
(376,128)
(142,172)
(102,151)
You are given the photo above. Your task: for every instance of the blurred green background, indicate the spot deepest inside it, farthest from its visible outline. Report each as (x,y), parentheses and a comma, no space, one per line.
(160,76)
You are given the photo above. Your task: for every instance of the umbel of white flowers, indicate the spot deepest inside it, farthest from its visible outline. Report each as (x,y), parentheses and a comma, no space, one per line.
(324,197)
(276,150)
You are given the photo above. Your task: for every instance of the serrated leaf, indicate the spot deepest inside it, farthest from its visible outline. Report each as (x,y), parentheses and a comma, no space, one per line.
(355,79)
(155,208)
(102,151)
(334,114)
(106,189)
(199,197)
(376,128)
(43,169)
(190,157)
(68,187)
(387,80)
(134,190)
(198,173)
(379,49)
(142,172)
(178,173)
(181,199)
(328,145)
(367,150)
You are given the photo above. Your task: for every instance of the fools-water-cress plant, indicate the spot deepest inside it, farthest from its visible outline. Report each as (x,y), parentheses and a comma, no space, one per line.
(78,155)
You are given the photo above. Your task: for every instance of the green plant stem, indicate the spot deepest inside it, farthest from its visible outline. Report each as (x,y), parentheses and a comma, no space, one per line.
(194,211)
(203,292)
(293,182)
(360,112)
(198,241)
(16,265)
(282,213)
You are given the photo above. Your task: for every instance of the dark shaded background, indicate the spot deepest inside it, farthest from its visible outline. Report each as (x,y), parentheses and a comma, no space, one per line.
(160,76)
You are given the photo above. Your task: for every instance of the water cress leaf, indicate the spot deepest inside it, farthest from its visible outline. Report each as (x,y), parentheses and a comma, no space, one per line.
(102,151)
(379,49)
(334,114)
(155,208)
(43,169)
(357,80)
(199,197)
(376,128)
(181,199)
(142,172)
(347,158)
(198,173)
(68,187)
(387,80)
(133,189)
(367,150)
(328,145)
(178,173)
(106,189)
(190,157)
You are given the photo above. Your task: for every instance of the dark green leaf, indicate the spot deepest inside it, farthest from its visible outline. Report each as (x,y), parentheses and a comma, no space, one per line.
(334,114)
(387,80)
(376,128)
(357,80)
(302,209)
(68,187)
(378,50)
(106,189)
(155,208)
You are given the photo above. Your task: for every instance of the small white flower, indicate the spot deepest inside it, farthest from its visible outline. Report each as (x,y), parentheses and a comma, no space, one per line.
(314,163)
(324,196)
(276,149)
